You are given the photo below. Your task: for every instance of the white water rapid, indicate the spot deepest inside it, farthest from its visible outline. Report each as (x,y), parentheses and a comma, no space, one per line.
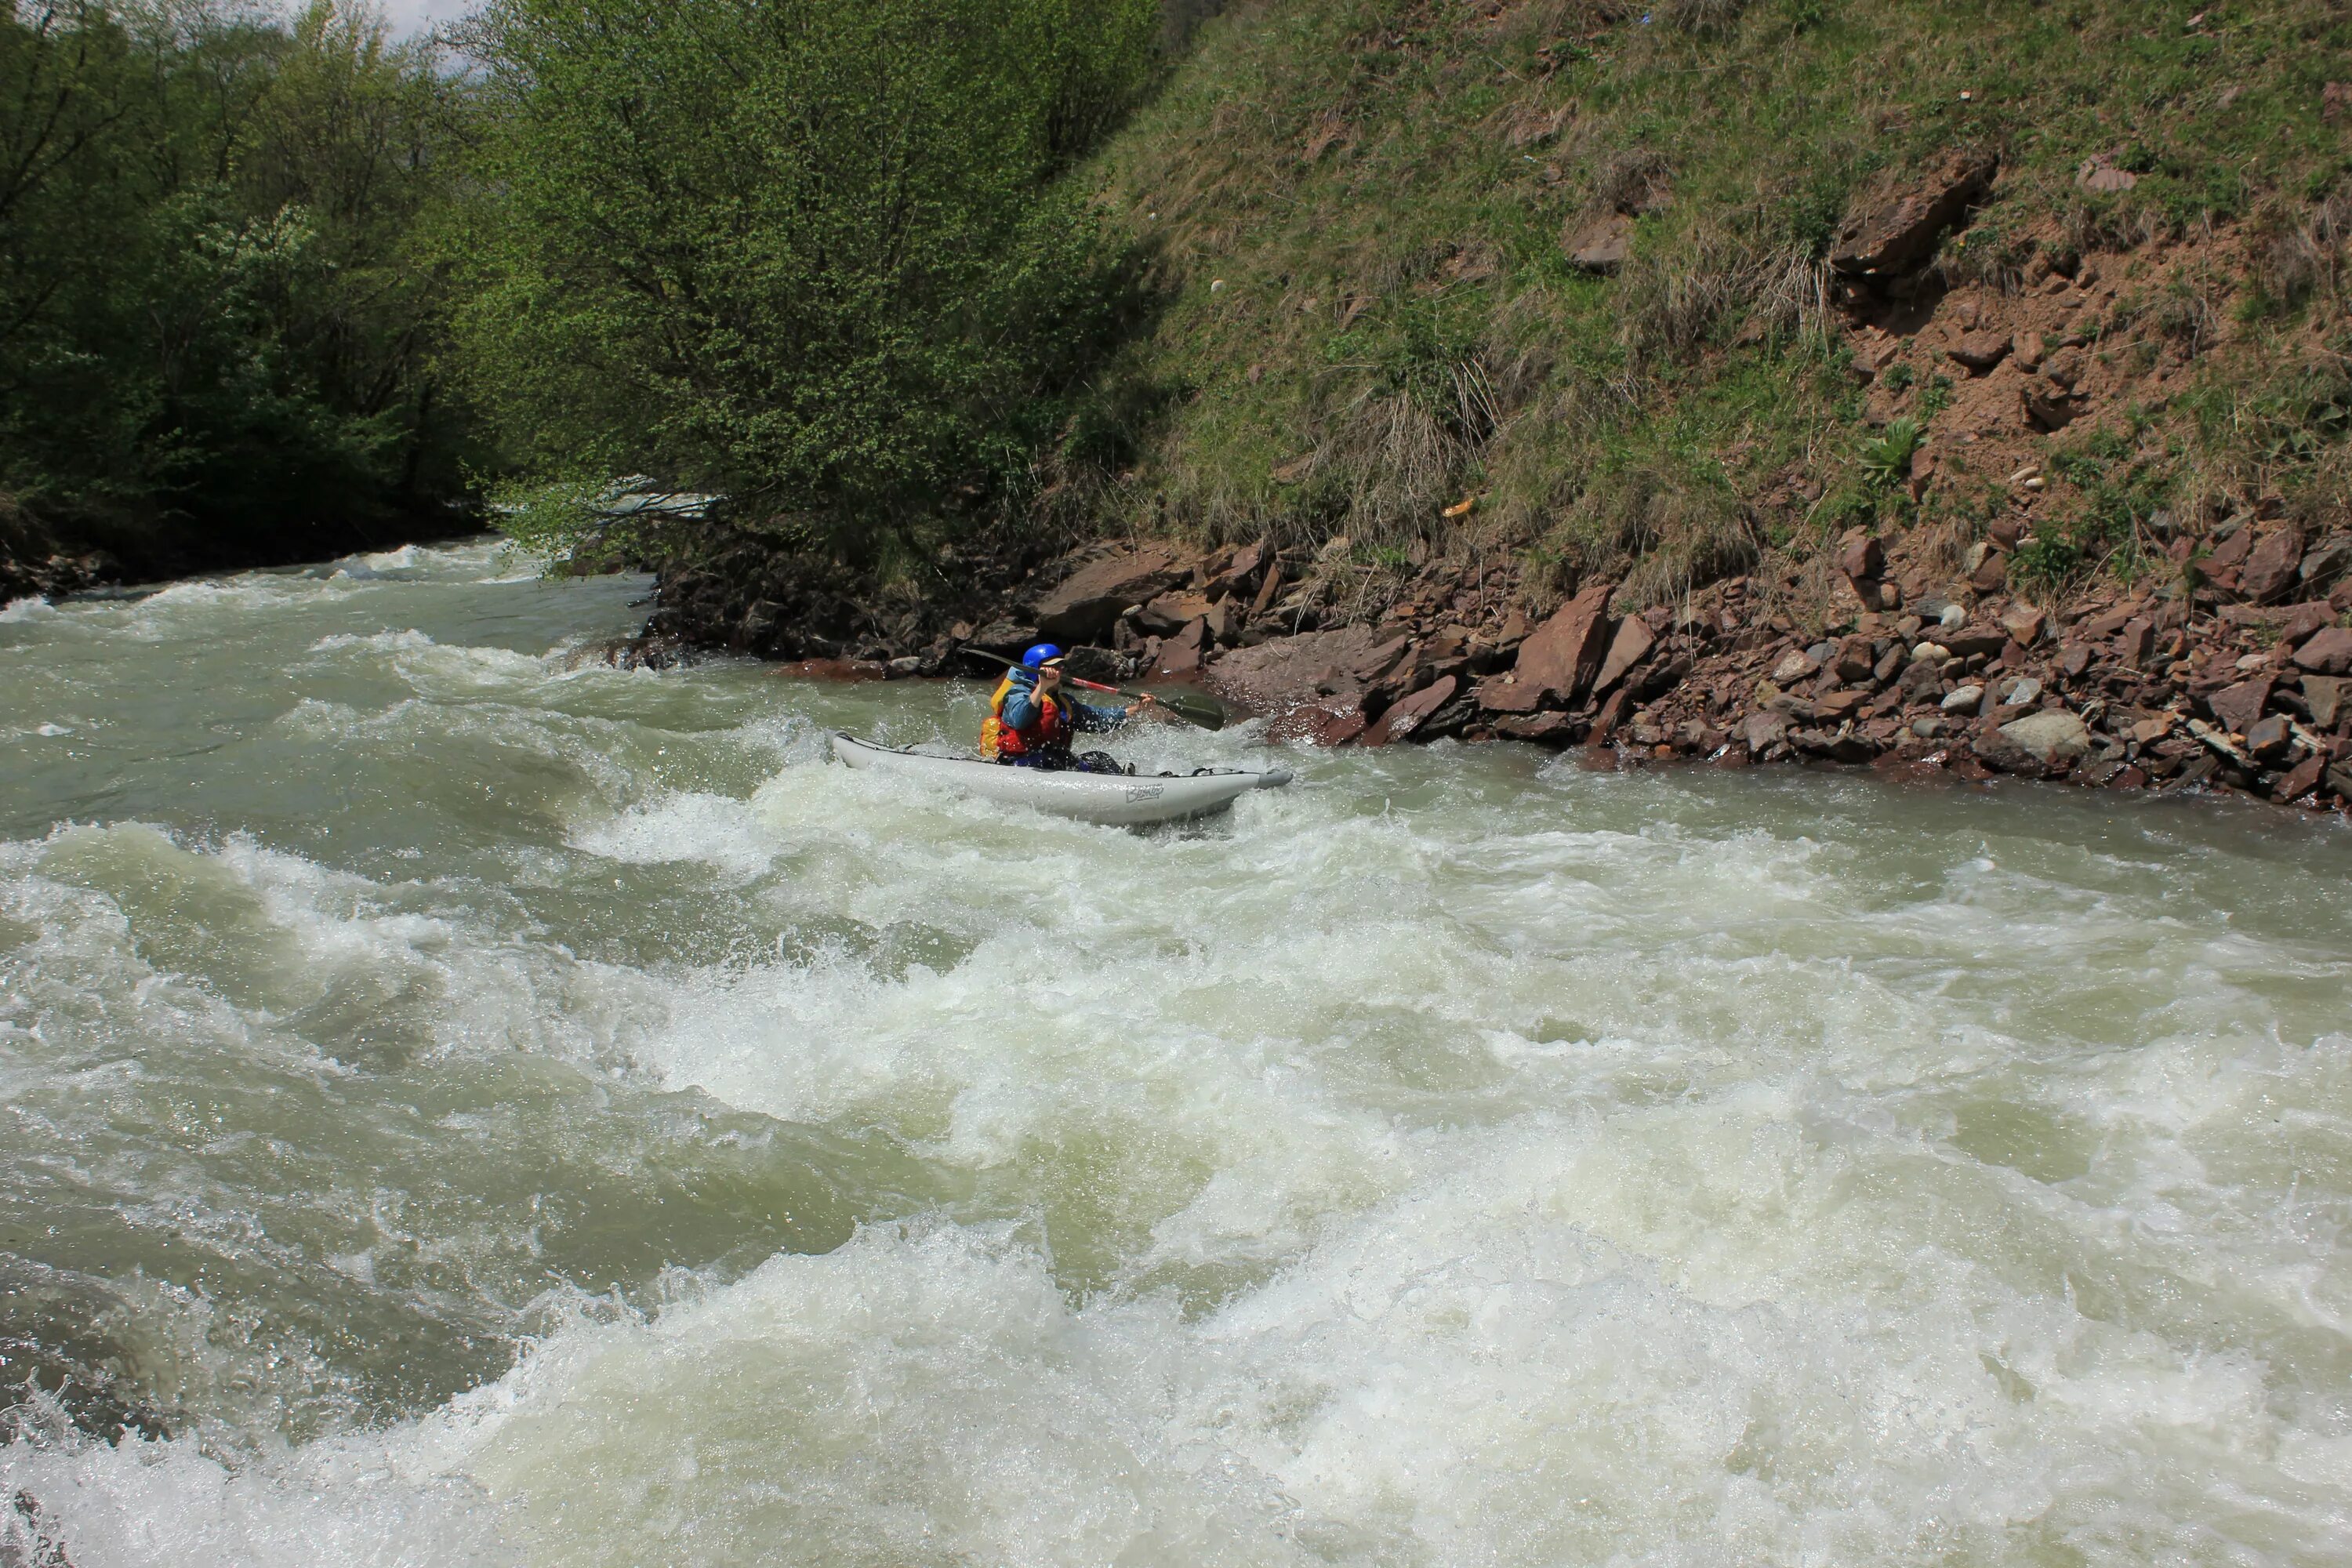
(467,1106)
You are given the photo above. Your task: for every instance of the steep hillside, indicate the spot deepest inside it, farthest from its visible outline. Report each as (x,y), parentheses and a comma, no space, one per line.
(1607,274)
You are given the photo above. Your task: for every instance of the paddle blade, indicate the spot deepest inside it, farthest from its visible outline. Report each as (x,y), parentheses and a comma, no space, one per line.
(1203,712)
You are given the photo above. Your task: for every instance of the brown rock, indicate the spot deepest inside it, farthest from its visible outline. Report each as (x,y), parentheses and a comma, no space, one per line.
(1171,613)
(1897,235)
(1837,705)
(1238,574)
(1406,714)
(1536,727)
(2303,778)
(2132,642)
(1509,694)
(2326,653)
(1979,351)
(1266,591)
(1761,730)
(1864,558)
(1613,712)
(2325,695)
(1008,638)
(2048,408)
(2237,707)
(1970,641)
(1086,604)
(2231,551)
(1993,576)
(2100,173)
(2272,566)
(1184,653)
(2024,625)
(1629,647)
(1599,245)
(2304,619)
(1283,672)
(2267,740)
(1561,657)
(1337,729)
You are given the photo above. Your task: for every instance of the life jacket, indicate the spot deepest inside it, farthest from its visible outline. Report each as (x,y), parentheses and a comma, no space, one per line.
(1000,740)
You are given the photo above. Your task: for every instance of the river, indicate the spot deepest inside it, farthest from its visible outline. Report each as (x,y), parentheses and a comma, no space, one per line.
(467,1105)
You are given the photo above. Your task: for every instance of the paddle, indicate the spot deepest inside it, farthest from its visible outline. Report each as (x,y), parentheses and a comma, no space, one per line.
(1201,711)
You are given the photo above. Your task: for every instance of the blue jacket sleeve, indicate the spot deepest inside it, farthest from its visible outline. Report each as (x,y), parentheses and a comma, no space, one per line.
(1087,716)
(1020,708)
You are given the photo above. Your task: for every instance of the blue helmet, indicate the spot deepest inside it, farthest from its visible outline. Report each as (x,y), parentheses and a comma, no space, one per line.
(1036,657)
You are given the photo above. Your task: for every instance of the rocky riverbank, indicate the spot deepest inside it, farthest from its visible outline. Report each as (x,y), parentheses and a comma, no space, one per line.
(2231,674)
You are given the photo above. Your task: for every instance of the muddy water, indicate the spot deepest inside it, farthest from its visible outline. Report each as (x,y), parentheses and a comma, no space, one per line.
(464,1107)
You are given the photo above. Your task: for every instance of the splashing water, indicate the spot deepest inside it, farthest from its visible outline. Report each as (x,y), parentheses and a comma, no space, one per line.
(465,1105)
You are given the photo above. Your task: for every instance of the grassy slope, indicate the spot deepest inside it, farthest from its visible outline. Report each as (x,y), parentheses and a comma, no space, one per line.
(1359,208)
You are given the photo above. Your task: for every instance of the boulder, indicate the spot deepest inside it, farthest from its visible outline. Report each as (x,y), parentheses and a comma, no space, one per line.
(1897,235)
(1629,647)
(2269,739)
(2327,652)
(1761,730)
(2325,696)
(1508,694)
(1555,728)
(2054,737)
(2024,625)
(2271,565)
(1991,575)
(2232,550)
(2301,620)
(1092,599)
(2237,707)
(2326,564)
(1598,246)
(1237,574)
(1971,641)
(2303,778)
(1007,639)
(1963,699)
(1169,614)
(1405,715)
(1282,673)
(2051,409)
(1795,665)
(2132,642)
(1562,656)
(1863,558)
(1184,653)
(1981,350)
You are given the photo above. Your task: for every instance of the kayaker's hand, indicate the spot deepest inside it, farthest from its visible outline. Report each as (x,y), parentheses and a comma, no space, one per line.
(1147,705)
(1049,679)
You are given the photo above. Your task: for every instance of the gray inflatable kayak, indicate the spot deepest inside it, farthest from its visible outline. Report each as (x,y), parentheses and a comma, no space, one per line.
(1124,800)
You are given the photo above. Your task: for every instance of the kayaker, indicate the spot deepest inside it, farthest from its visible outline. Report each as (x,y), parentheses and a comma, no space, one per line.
(1031,719)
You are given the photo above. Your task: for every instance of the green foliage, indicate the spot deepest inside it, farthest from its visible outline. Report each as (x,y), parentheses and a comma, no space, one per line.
(216,332)
(819,258)
(2118,490)
(1886,458)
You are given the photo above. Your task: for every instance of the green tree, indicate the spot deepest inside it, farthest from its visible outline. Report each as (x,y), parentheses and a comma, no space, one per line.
(815,256)
(216,329)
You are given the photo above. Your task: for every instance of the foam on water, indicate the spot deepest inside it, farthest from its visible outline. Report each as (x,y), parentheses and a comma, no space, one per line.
(618,1135)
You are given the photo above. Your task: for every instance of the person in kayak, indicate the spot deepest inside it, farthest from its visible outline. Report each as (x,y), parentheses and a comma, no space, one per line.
(1031,719)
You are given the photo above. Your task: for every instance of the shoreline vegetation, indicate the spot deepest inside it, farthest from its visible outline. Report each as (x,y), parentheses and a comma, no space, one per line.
(1923,384)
